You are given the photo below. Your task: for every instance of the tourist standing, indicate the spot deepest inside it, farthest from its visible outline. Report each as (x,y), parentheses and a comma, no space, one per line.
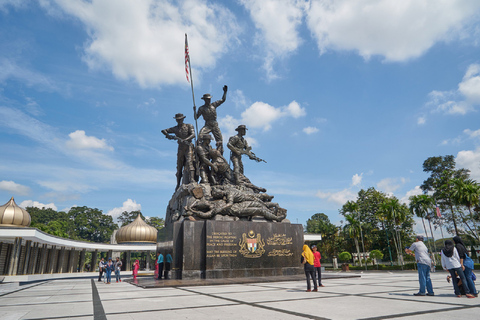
(118,268)
(316,264)
(308,260)
(160,266)
(451,262)
(420,251)
(101,266)
(466,266)
(109,267)
(136,266)
(168,264)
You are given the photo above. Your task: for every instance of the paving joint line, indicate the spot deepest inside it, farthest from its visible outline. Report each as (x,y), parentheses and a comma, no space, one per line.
(307,316)
(21,289)
(98,311)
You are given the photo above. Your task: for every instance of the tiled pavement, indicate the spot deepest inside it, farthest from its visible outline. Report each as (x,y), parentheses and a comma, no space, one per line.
(382,295)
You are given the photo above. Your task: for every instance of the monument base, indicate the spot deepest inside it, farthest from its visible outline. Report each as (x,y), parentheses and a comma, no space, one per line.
(213,249)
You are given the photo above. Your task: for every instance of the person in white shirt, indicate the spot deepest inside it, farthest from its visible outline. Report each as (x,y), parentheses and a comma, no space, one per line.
(451,263)
(420,251)
(101,266)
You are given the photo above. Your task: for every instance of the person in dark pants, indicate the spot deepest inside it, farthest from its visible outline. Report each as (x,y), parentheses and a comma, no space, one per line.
(316,264)
(168,264)
(308,260)
(101,266)
(160,266)
(467,271)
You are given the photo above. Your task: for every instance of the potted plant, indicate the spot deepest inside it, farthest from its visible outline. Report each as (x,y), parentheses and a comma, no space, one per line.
(345,257)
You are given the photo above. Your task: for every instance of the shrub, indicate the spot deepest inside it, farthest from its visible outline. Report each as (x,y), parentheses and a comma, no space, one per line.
(345,256)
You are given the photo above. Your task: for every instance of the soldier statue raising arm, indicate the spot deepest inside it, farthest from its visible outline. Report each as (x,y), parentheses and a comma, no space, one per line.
(209,113)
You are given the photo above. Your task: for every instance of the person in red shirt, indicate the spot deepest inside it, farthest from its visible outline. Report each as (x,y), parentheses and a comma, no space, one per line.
(316,264)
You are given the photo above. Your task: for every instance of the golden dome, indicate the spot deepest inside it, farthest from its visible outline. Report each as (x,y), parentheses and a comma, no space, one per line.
(137,231)
(13,215)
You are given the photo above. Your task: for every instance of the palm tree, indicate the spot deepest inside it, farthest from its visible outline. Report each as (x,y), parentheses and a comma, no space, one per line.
(352,229)
(353,207)
(381,215)
(466,193)
(418,206)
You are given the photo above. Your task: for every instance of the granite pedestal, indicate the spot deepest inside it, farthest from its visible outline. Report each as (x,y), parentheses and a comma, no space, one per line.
(212,249)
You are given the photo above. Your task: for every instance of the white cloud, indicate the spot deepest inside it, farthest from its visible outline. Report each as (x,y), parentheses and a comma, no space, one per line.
(470,159)
(421,120)
(36,204)
(310,130)
(10,69)
(396,30)
(462,100)
(357,179)
(414,192)
(129,205)
(67,186)
(277,23)
(15,188)
(79,140)
(340,197)
(389,185)
(144,40)
(472,134)
(470,85)
(262,115)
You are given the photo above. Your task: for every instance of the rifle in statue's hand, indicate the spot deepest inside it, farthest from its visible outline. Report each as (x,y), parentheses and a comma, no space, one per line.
(252,156)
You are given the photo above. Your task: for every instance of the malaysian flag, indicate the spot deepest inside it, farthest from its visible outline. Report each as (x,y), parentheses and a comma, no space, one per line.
(187,59)
(438,210)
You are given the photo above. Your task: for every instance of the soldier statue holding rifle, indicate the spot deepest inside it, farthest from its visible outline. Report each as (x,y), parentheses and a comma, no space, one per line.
(239,146)
(183,133)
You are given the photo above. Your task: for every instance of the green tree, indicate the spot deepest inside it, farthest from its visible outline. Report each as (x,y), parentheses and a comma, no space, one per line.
(442,172)
(53,222)
(354,220)
(466,193)
(91,224)
(319,223)
(156,222)
(419,206)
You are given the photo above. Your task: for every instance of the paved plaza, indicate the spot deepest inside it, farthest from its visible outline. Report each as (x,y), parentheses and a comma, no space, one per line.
(374,295)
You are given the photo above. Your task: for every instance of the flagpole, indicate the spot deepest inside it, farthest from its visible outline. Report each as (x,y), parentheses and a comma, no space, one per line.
(191,83)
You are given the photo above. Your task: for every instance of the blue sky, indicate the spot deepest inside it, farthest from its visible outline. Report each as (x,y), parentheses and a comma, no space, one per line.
(337,96)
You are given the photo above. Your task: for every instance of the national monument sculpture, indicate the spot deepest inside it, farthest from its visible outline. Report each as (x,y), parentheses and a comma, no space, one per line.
(207,187)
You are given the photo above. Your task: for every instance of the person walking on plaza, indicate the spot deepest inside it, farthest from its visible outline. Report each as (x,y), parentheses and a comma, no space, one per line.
(101,266)
(316,264)
(451,263)
(160,266)
(109,267)
(467,264)
(308,261)
(136,266)
(419,250)
(118,268)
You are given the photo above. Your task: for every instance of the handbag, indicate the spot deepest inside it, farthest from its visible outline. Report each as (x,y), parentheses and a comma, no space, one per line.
(468,262)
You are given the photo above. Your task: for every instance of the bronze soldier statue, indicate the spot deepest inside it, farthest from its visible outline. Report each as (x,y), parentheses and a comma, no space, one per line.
(183,133)
(204,163)
(209,113)
(224,175)
(238,146)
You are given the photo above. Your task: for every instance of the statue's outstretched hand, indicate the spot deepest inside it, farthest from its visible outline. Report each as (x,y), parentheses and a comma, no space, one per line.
(225,88)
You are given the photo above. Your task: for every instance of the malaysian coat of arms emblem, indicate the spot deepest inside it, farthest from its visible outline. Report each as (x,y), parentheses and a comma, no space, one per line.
(252,246)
